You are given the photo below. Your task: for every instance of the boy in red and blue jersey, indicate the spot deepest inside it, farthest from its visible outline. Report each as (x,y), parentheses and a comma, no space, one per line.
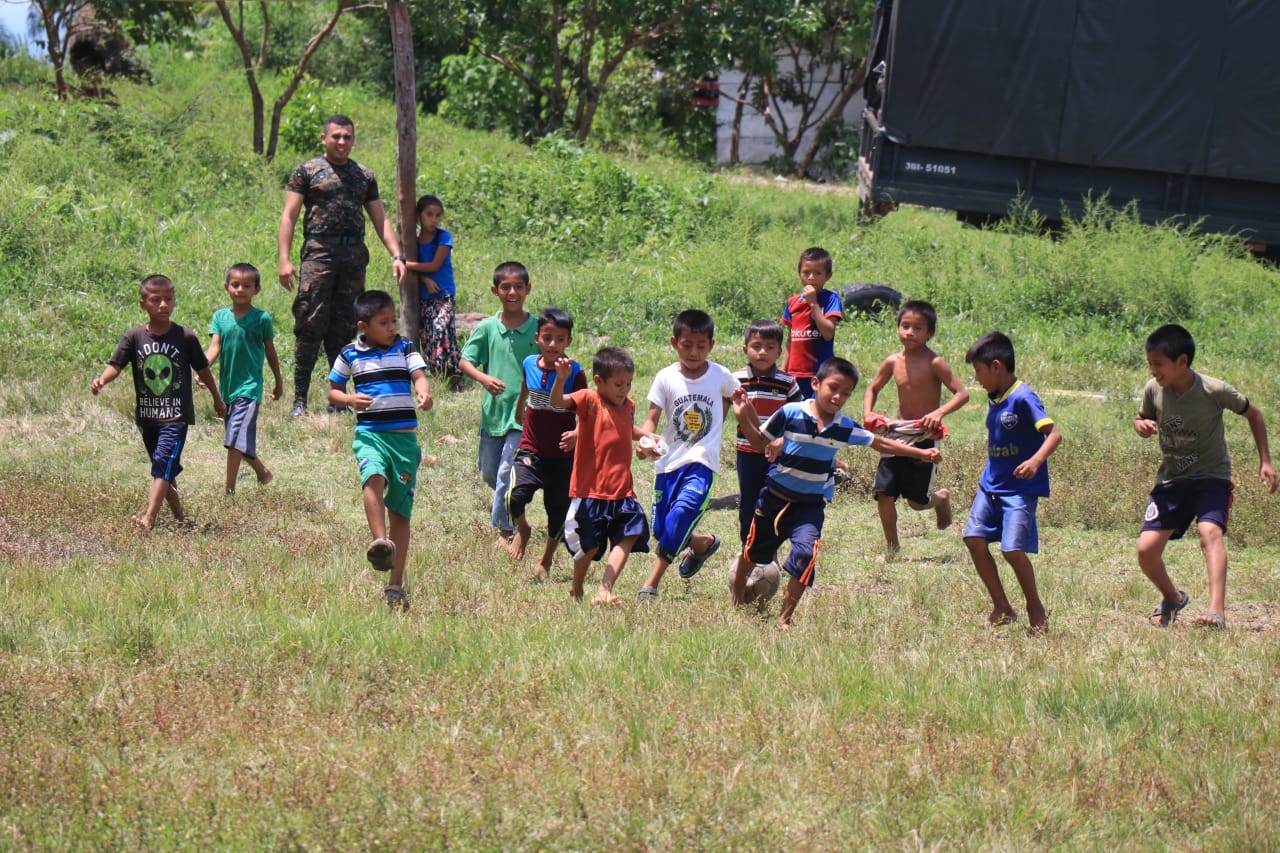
(811,316)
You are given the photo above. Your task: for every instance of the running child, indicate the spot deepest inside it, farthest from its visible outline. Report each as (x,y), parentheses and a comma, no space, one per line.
(1020,438)
(494,357)
(243,337)
(163,355)
(604,515)
(544,459)
(792,504)
(1194,481)
(920,374)
(390,382)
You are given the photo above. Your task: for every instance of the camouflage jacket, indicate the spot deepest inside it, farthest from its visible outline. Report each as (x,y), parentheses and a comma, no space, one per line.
(334,196)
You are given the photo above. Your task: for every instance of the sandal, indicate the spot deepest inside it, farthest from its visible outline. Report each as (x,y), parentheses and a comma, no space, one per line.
(1211,619)
(692,563)
(1166,612)
(647,594)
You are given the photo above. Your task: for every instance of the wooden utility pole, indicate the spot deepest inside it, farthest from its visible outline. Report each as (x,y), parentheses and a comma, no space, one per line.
(406,158)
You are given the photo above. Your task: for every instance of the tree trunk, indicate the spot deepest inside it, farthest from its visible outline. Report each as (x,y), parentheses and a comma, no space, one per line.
(406,158)
(735,137)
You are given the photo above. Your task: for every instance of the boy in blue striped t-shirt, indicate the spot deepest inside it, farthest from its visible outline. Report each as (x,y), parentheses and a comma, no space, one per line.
(792,503)
(390,380)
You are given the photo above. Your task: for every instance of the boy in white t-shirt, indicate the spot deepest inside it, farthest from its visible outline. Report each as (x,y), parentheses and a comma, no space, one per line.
(694,393)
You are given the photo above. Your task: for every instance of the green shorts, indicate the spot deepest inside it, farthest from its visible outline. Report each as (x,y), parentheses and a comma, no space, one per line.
(395,457)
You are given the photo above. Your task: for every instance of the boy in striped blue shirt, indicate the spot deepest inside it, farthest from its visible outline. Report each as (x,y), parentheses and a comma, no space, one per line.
(390,381)
(792,504)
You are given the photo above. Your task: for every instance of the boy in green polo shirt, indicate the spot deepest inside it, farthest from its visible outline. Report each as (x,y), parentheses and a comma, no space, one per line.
(494,357)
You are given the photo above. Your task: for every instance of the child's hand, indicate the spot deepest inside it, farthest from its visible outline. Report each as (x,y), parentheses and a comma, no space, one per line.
(1145,427)
(359,402)
(932,455)
(564,366)
(276,391)
(1267,474)
(200,382)
(494,385)
(932,421)
(569,440)
(219,407)
(424,400)
(97,385)
(742,406)
(810,294)
(1026,470)
(431,285)
(774,450)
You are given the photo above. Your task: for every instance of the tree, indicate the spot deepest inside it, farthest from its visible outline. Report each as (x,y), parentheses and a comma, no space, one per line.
(564,52)
(254,63)
(51,28)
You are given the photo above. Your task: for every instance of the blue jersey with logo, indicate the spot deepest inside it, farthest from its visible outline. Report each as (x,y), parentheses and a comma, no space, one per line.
(1014,421)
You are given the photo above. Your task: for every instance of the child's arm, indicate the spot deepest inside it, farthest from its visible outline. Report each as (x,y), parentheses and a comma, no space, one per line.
(959,395)
(522,402)
(339,397)
(564,366)
(650,429)
(825,325)
(882,377)
(1258,427)
(897,448)
(1052,438)
(748,419)
(207,381)
(422,389)
(109,373)
(273,360)
(215,348)
(432,265)
(492,384)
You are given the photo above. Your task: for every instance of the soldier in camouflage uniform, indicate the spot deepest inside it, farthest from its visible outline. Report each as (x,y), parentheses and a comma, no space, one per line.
(336,192)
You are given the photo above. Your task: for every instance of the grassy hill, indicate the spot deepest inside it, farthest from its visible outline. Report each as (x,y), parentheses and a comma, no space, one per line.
(237,684)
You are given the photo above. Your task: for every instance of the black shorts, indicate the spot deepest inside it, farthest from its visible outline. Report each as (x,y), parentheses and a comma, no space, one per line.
(898,476)
(1175,504)
(531,472)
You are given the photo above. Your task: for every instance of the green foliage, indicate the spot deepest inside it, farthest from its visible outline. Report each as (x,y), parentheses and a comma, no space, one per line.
(302,121)
(480,95)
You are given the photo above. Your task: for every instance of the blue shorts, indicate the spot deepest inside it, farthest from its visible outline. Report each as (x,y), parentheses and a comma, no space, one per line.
(1007,519)
(679,502)
(164,443)
(242,427)
(1175,504)
(394,456)
(778,519)
(598,524)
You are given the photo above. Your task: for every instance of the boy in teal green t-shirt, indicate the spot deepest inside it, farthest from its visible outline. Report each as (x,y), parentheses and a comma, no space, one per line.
(243,336)
(494,357)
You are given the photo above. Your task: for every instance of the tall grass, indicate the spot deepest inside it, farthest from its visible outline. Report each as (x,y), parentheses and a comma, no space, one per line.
(236,684)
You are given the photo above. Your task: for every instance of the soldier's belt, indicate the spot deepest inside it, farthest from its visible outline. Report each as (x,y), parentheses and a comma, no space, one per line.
(337,239)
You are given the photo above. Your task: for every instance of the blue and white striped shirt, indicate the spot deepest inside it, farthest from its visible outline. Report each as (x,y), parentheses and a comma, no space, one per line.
(802,471)
(386,376)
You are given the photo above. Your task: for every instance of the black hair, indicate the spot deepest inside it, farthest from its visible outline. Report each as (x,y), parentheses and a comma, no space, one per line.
(1171,340)
(816,253)
(770,330)
(371,303)
(924,309)
(611,360)
(340,120)
(155,280)
(990,348)
(836,364)
(428,200)
(553,316)
(244,269)
(507,268)
(694,322)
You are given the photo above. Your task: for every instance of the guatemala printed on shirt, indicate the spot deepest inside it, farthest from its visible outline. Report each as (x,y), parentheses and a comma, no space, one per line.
(694,409)
(1014,421)
(385,375)
(803,468)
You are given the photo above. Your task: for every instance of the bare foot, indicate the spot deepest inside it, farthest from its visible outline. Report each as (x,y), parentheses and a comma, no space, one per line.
(943,509)
(504,539)
(576,594)
(448,440)
(142,522)
(889,555)
(519,540)
(541,573)
(784,626)
(266,476)
(605,598)
(999,618)
(1039,622)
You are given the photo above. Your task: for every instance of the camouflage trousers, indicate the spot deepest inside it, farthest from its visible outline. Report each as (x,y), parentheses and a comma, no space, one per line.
(323,309)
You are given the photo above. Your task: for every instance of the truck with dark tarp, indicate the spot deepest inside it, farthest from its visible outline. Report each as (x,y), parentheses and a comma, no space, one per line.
(973,105)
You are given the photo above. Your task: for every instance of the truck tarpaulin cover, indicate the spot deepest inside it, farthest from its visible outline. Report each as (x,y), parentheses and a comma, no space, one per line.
(1167,85)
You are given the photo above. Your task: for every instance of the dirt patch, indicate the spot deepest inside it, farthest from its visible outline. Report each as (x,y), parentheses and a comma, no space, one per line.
(468,320)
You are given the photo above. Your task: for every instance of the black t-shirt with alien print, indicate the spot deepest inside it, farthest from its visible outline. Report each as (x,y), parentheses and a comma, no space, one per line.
(162,367)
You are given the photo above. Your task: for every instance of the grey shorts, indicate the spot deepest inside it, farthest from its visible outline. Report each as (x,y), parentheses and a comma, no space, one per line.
(242,427)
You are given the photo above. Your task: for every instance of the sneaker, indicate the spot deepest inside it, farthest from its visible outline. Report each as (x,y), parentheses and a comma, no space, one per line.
(299,409)
(395,597)
(692,563)
(382,555)
(647,595)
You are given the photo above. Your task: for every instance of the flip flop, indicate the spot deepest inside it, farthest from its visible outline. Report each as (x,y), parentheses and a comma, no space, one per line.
(1167,611)
(692,564)
(1211,619)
